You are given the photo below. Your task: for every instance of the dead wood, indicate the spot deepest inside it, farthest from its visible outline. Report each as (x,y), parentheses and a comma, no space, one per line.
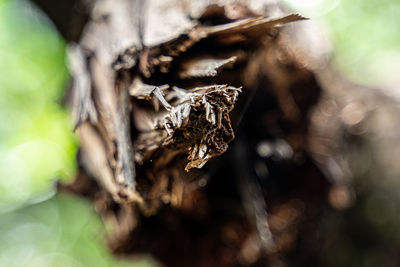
(203,132)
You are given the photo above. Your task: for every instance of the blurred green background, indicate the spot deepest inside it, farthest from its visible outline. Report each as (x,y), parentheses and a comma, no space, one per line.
(37,146)
(365,34)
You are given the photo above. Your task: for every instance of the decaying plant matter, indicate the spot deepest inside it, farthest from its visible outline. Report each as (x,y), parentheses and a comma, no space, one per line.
(161,89)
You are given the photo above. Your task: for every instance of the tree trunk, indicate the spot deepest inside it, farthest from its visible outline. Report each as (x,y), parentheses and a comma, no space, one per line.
(203,132)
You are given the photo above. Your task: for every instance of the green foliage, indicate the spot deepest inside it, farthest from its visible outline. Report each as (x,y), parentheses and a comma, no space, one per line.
(365,35)
(63,231)
(37,147)
(36,141)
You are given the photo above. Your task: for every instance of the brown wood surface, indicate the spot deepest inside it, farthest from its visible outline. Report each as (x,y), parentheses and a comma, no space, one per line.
(210,134)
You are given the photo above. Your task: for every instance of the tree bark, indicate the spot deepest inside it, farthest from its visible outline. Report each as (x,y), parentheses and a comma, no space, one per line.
(203,132)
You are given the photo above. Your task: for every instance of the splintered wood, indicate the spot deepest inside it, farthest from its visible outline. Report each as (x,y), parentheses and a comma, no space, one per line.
(192,121)
(151,112)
